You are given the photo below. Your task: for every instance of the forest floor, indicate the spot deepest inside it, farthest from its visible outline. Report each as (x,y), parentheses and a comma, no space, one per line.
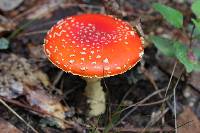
(51,101)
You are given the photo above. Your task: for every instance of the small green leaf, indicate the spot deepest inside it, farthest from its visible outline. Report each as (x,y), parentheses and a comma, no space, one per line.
(173,16)
(196,8)
(4,43)
(164,45)
(181,54)
(190,58)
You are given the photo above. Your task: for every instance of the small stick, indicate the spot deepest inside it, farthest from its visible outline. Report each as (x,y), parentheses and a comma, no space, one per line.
(139,130)
(174,92)
(15,113)
(133,109)
(58,77)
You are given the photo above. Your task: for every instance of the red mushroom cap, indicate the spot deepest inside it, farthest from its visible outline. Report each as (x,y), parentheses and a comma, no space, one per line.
(93,45)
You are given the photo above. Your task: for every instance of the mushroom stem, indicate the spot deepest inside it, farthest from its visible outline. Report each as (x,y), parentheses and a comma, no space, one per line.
(96,96)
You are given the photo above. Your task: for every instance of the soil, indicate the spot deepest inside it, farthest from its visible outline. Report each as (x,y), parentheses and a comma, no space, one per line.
(124,90)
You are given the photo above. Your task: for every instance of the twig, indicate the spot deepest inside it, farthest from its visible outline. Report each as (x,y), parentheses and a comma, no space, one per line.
(58,77)
(169,83)
(175,121)
(151,122)
(174,92)
(138,130)
(148,104)
(41,113)
(133,109)
(150,77)
(15,113)
(170,80)
(154,103)
(136,105)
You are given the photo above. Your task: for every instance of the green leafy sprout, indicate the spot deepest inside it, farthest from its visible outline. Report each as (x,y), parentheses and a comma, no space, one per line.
(186,54)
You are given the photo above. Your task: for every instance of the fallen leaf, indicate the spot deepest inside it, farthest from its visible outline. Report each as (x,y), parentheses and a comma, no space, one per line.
(188,122)
(40,99)
(7,127)
(19,78)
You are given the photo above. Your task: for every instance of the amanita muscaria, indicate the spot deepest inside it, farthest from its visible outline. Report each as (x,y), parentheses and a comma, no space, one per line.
(93,46)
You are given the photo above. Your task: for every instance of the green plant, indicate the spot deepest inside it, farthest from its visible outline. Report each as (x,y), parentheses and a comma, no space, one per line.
(188,55)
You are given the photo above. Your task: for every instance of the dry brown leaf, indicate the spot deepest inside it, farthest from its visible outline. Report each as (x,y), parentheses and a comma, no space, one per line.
(40,99)
(7,127)
(188,122)
(18,78)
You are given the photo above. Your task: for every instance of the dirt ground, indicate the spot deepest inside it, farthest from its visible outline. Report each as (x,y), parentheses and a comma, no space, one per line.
(52,101)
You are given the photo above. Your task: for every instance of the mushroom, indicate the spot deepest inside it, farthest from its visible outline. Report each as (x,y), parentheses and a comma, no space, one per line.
(93,46)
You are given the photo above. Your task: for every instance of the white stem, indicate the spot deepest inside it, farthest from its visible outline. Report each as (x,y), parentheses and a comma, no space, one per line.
(96,96)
